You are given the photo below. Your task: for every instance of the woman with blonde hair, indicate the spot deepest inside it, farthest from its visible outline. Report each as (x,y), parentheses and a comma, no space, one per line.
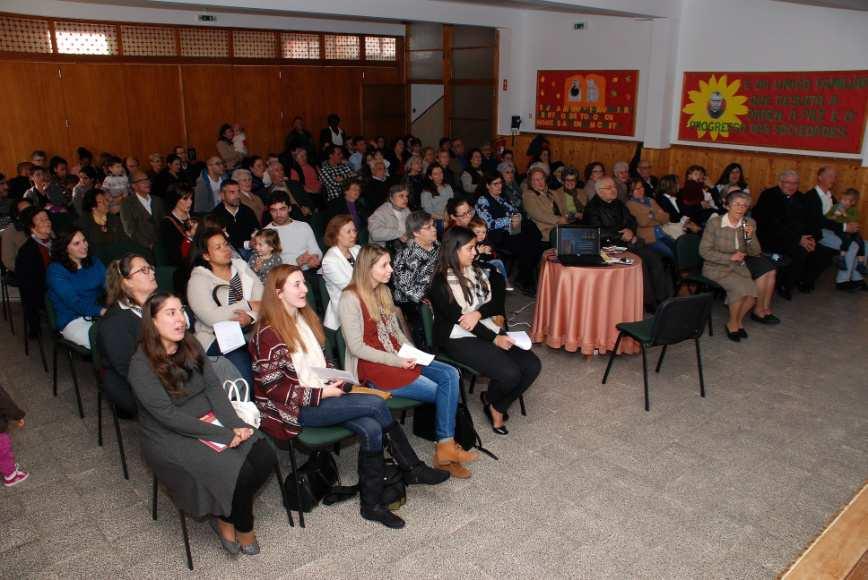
(374,337)
(286,348)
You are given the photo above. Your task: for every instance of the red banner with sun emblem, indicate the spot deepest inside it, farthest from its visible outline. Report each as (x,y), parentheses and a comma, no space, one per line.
(816,111)
(587,101)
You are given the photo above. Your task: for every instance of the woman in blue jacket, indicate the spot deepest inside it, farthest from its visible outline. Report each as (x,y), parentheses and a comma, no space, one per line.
(75,283)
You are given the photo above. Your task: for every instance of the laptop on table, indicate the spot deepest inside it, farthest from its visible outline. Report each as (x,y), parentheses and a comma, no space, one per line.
(578,246)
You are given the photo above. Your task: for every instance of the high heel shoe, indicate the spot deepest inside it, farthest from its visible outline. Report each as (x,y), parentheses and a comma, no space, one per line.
(733,336)
(483,396)
(486,408)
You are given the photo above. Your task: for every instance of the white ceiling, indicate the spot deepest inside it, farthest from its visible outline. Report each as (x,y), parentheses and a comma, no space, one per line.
(845,4)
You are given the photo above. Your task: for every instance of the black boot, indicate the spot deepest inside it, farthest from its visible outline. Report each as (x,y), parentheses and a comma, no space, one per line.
(414,470)
(372,467)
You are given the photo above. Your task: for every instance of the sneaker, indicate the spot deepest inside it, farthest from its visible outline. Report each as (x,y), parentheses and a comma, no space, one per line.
(510,288)
(15,478)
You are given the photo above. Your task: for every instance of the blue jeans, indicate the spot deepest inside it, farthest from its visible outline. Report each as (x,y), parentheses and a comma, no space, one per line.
(437,384)
(831,240)
(665,246)
(365,415)
(239,358)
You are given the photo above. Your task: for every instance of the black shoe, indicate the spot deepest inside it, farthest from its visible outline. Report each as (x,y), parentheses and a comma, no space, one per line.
(733,336)
(785,293)
(486,408)
(767,319)
(483,396)
(742,333)
(415,471)
(846,286)
(379,513)
(372,469)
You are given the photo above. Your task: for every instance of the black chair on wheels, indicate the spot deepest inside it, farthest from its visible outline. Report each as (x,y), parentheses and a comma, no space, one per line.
(96,358)
(676,320)
(69,348)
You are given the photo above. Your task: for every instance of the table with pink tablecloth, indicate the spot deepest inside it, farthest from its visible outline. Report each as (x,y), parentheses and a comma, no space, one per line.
(577,308)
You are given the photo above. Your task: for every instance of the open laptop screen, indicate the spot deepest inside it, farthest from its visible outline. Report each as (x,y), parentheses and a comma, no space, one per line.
(578,241)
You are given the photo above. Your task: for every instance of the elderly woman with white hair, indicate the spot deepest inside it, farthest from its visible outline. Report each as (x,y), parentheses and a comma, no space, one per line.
(248,198)
(733,259)
(387,226)
(621,176)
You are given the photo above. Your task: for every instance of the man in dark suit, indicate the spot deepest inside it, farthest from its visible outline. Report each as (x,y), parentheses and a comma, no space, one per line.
(141,212)
(785,226)
(240,220)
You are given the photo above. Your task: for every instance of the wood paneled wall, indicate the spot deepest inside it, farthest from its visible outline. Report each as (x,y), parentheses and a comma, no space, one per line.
(761,169)
(139,109)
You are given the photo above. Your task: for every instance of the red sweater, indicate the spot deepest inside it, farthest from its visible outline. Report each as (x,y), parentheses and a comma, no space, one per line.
(276,389)
(383,376)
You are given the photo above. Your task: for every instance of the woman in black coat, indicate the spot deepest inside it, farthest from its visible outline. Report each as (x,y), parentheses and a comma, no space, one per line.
(31,264)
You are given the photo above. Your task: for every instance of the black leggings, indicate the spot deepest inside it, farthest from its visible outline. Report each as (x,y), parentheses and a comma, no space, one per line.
(511,371)
(257,467)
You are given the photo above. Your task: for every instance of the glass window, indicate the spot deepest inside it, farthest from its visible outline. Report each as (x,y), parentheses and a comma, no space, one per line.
(25,35)
(148,41)
(381,48)
(342,47)
(85,38)
(253,44)
(300,46)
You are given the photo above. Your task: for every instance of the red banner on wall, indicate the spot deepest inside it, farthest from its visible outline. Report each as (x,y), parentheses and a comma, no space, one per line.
(587,101)
(817,110)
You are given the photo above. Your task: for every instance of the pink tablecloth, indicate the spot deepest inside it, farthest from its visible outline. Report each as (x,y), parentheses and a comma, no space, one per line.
(577,308)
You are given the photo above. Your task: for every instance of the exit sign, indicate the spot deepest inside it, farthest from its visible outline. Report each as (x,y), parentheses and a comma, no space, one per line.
(579,26)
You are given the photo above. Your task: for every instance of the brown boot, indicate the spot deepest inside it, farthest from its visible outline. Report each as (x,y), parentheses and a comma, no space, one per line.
(462,456)
(455,469)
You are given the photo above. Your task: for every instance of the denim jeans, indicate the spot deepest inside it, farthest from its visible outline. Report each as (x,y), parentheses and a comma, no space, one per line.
(437,384)
(365,415)
(831,240)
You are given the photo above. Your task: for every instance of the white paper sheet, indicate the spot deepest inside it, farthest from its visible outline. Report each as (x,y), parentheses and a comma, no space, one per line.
(422,358)
(327,374)
(522,340)
(229,336)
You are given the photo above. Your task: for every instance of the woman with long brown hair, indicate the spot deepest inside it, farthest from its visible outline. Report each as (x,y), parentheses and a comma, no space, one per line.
(210,460)
(370,324)
(286,348)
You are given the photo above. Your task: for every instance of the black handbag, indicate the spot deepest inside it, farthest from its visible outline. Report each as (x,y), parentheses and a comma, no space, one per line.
(465,432)
(316,479)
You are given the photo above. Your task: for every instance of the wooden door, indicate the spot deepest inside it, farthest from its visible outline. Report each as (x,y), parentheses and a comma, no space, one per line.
(155,109)
(32,115)
(384,111)
(209,101)
(96,107)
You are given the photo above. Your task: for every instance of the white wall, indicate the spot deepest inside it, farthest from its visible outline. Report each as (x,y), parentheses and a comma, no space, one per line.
(548,41)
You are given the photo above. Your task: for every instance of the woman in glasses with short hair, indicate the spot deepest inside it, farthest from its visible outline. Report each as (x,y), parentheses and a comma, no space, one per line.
(130,281)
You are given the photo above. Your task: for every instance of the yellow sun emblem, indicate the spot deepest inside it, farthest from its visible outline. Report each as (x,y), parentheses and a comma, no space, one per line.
(715,107)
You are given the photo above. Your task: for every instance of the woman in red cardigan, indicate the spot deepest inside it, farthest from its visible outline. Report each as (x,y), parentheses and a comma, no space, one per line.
(287,345)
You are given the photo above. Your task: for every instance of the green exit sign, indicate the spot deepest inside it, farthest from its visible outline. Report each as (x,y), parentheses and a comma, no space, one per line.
(207,18)
(579,26)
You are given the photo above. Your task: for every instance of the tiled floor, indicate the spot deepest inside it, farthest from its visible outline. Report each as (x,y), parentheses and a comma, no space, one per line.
(587,486)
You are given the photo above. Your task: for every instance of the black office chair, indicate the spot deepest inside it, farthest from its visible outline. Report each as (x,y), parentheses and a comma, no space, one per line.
(69,348)
(676,320)
(96,359)
(689,265)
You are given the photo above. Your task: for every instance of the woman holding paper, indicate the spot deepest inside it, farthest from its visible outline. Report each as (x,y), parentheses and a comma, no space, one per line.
(222,289)
(287,353)
(211,462)
(380,354)
(470,326)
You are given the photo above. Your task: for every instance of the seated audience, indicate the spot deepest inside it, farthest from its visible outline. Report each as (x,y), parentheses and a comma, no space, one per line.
(297,240)
(545,208)
(298,136)
(388,224)
(266,252)
(641,168)
(104,230)
(31,262)
(155,165)
(667,199)
(436,193)
(175,386)
(338,262)
(19,184)
(247,197)
(225,147)
(593,171)
(698,198)
(511,189)
(43,190)
(370,323)
(650,219)
(207,190)
(839,236)
(223,288)
(141,213)
(116,183)
(485,253)
(333,134)
(287,345)
(300,204)
(164,184)
(459,212)
(787,227)
(359,148)
(130,281)
(618,227)
(350,205)
(177,230)
(413,268)
(846,212)
(240,220)
(472,176)
(470,326)
(574,196)
(416,179)
(731,179)
(542,161)
(15,235)
(75,282)
(621,176)
(334,172)
(376,188)
(734,260)
(87,178)
(444,160)
(305,173)
(397,156)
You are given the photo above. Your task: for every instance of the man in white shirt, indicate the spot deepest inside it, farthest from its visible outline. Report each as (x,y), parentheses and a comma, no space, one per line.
(297,240)
(360,147)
